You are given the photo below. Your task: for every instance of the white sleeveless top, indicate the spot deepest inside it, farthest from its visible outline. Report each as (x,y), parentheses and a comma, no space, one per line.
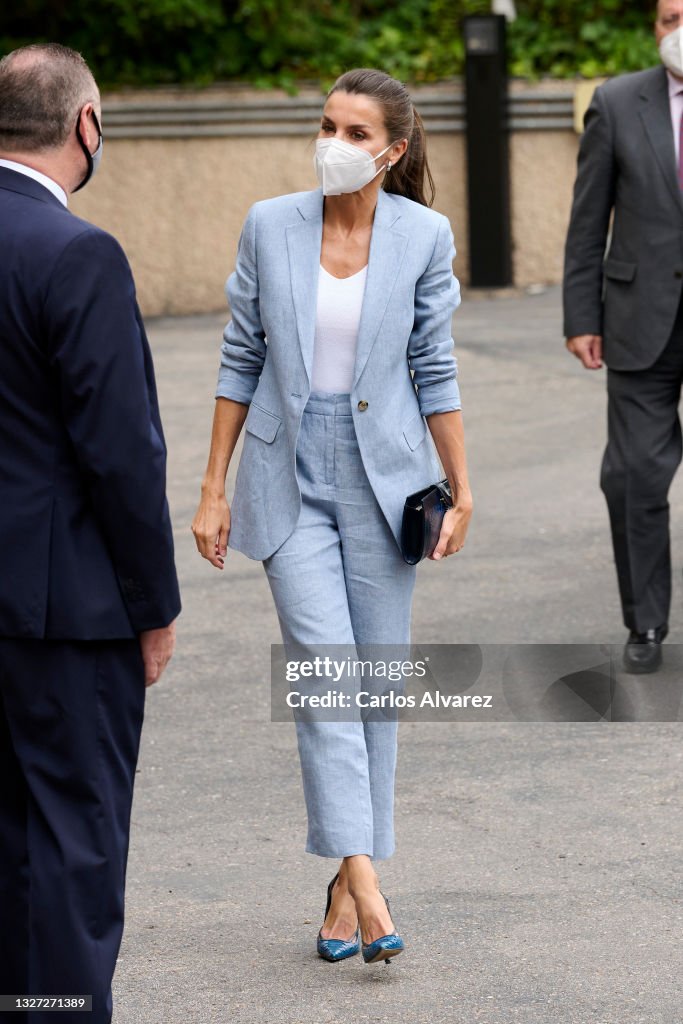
(340,301)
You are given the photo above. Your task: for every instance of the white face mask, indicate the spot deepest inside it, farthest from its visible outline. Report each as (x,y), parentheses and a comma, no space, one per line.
(671,51)
(343,168)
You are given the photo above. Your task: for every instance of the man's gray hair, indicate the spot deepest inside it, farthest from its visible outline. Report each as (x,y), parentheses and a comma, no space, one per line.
(42,88)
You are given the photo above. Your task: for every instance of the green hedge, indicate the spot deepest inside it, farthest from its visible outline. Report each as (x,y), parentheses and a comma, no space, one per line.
(278,42)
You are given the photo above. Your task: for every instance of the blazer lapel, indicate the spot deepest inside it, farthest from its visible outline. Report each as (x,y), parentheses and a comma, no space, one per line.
(304,241)
(655,113)
(387,249)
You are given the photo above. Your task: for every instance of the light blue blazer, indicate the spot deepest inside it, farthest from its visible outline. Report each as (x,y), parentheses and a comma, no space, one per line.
(267,356)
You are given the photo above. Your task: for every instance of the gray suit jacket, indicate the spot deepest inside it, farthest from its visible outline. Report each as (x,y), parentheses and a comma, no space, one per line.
(627,165)
(267,354)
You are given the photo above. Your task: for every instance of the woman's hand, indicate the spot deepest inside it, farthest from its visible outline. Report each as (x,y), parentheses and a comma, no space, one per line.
(211,528)
(454,527)
(449,437)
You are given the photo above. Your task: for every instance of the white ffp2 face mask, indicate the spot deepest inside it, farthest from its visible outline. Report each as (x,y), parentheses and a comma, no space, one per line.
(343,168)
(671,51)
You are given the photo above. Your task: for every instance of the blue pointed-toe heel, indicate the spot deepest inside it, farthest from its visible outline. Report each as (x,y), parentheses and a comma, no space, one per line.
(384,948)
(337,949)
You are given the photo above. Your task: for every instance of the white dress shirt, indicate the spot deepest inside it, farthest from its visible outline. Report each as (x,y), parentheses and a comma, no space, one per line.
(676,104)
(38,176)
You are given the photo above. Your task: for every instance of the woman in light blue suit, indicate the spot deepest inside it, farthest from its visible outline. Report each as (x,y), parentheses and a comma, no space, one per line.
(338,362)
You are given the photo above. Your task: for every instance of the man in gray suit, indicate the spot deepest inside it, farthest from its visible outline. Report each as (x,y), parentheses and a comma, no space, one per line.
(622,303)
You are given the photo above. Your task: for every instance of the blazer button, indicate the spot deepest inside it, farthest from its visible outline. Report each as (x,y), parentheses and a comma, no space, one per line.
(678,274)
(362,405)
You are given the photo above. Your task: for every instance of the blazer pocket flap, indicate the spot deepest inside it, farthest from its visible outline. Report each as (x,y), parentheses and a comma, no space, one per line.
(619,270)
(414,431)
(262,423)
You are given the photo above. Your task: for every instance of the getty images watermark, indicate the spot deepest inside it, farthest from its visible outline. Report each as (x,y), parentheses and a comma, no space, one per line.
(470,683)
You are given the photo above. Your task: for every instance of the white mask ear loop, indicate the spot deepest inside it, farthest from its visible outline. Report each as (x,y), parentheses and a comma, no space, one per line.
(388,166)
(383,152)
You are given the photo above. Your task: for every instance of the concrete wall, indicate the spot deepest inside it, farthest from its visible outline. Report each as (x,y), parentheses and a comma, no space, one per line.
(180,170)
(543,171)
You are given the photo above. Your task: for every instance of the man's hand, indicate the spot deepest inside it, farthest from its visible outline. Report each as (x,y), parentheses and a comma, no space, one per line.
(587,348)
(157,646)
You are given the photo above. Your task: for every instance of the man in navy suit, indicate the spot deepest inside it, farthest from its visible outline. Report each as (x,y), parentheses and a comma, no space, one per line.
(88,588)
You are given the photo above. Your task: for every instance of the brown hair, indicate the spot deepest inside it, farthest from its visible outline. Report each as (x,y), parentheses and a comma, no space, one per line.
(42,88)
(410,176)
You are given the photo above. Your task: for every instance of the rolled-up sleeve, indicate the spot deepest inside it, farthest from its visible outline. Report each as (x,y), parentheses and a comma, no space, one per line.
(244,347)
(430,347)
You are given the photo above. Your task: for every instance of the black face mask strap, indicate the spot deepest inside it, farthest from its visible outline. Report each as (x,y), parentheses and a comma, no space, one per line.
(88,154)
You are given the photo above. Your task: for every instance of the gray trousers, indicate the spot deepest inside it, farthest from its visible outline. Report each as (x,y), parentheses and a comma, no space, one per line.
(642,455)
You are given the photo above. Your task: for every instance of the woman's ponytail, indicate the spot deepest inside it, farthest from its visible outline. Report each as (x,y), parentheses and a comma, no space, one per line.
(411,176)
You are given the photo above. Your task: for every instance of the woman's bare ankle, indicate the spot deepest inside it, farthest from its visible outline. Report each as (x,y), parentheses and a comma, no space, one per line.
(341,920)
(361,876)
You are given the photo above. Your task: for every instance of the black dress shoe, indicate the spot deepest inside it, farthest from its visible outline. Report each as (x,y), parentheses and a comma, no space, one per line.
(643,651)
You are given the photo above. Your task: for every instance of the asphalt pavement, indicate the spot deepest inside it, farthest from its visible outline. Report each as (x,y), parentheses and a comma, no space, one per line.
(537,876)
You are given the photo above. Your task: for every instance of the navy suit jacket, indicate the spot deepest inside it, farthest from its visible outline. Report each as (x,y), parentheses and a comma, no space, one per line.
(86,548)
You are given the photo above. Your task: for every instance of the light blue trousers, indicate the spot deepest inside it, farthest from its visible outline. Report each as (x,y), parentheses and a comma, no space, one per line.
(339,578)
